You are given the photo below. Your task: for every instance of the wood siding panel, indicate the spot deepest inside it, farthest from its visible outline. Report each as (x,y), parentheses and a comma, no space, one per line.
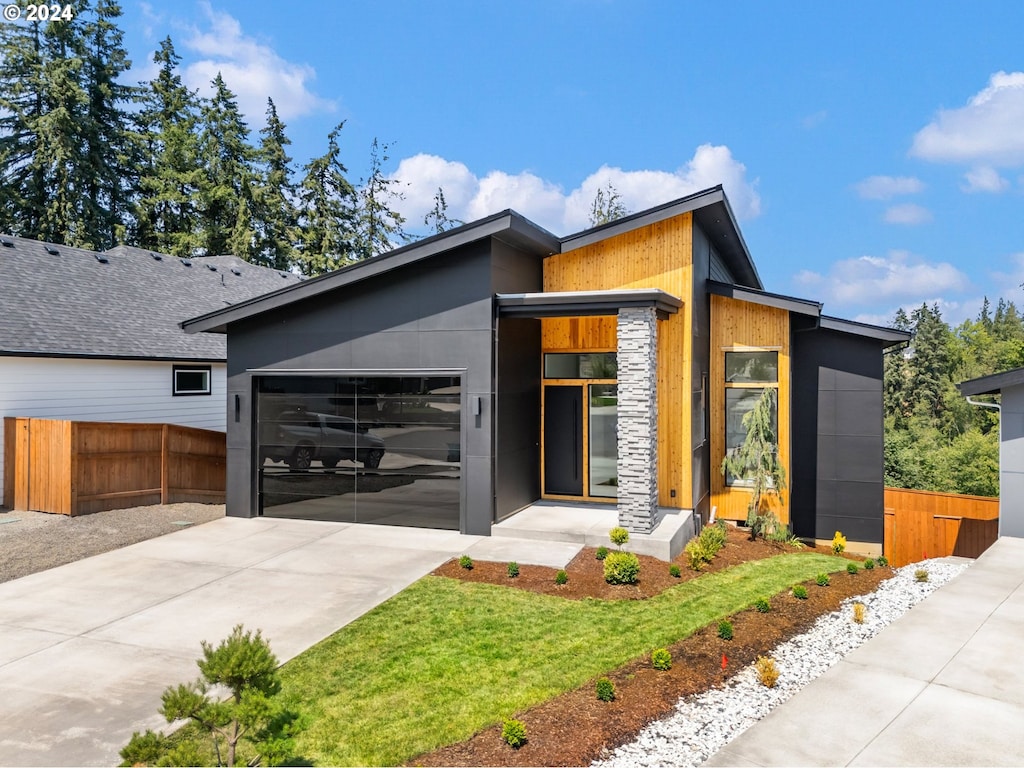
(105,390)
(656,256)
(920,524)
(738,325)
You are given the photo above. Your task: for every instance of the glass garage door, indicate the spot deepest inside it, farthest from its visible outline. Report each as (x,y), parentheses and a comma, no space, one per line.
(366,449)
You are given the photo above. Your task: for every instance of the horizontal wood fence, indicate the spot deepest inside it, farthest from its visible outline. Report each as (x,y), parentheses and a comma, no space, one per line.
(923,524)
(78,467)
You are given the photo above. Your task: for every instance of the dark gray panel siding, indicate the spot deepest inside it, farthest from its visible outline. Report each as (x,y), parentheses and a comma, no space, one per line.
(432,316)
(718,270)
(837,475)
(703,267)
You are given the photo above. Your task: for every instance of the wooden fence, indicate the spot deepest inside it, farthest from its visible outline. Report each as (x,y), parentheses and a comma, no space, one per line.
(78,467)
(922,524)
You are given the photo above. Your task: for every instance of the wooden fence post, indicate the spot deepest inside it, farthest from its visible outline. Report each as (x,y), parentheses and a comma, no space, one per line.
(165,458)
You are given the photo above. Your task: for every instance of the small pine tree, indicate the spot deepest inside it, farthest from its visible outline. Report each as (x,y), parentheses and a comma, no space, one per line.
(607,206)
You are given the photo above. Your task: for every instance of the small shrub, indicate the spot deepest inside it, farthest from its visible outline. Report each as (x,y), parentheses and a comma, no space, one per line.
(466,562)
(762,605)
(713,537)
(513,733)
(697,554)
(858,613)
(618,535)
(921,575)
(821,580)
(561,577)
(605,689)
(621,568)
(882,561)
(601,553)
(725,629)
(674,572)
(800,592)
(513,569)
(661,659)
(851,568)
(767,671)
(838,543)
(869,564)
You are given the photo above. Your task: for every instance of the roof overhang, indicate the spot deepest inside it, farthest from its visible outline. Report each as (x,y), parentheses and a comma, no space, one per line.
(993,384)
(888,336)
(788,303)
(585,303)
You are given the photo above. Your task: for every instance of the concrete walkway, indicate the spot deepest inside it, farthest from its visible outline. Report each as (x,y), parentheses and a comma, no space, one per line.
(943,685)
(86,649)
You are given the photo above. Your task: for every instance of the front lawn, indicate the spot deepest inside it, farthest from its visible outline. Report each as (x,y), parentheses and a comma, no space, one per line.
(444,659)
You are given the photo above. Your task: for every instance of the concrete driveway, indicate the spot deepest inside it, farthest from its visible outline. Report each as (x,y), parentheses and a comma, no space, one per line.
(86,649)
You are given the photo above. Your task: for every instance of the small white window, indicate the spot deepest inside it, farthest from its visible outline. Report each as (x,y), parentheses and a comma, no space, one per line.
(192,380)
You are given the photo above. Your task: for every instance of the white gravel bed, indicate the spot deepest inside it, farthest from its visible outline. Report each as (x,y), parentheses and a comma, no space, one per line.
(704,723)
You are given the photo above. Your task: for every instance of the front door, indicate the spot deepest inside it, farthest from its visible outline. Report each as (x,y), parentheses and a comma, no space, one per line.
(563,440)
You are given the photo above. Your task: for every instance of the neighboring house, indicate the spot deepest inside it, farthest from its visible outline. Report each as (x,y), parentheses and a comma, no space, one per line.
(1010,386)
(96,337)
(501,364)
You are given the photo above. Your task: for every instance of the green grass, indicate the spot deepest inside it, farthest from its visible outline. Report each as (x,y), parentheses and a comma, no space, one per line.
(444,659)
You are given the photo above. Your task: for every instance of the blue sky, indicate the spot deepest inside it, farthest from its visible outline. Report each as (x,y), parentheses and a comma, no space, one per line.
(873,152)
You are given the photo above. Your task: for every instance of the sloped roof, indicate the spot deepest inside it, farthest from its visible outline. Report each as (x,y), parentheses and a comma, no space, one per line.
(68,303)
(993,384)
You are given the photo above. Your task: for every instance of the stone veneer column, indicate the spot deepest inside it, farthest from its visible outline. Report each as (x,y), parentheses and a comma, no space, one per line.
(638,419)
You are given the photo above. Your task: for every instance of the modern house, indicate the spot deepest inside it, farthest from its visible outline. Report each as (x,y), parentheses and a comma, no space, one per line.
(96,336)
(1010,386)
(496,365)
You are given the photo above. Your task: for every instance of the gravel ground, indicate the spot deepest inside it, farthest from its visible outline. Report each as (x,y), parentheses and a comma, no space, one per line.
(35,541)
(703,724)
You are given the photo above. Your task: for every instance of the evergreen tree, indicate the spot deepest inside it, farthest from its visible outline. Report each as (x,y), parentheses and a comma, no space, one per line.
(607,206)
(929,364)
(167,212)
(227,159)
(895,384)
(437,218)
(378,227)
(327,212)
(276,216)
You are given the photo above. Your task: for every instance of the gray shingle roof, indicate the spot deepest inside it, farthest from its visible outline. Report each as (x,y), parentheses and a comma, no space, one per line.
(71,304)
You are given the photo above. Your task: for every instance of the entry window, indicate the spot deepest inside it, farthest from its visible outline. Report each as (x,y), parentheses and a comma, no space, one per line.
(747,376)
(580,365)
(194,380)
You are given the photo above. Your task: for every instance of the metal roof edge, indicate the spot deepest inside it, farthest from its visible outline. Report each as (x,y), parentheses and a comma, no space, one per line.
(889,336)
(992,384)
(755,296)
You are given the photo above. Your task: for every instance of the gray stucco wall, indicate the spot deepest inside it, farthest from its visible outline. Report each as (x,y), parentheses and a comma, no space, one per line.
(1011,463)
(432,316)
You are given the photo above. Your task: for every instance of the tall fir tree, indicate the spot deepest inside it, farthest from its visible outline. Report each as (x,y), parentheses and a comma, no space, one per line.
(437,218)
(895,372)
(228,178)
(607,206)
(275,215)
(378,227)
(167,210)
(328,206)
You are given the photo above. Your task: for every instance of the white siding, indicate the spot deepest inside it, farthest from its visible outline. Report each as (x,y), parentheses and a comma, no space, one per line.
(104,390)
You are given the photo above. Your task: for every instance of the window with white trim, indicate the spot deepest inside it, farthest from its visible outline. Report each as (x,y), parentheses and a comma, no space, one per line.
(191,380)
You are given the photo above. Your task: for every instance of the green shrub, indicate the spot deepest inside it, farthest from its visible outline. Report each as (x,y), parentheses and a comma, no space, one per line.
(601,553)
(144,748)
(800,592)
(882,561)
(661,659)
(725,629)
(762,605)
(869,564)
(674,572)
(714,537)
(561,577)
(618,535)
(466,562)
(605,689)
(697,554)
(621,568)
(851,568)
(821,580)
(513,569)
(921,575)
(513,733)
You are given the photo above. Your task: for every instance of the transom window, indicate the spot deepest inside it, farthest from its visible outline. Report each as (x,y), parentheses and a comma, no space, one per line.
(580,365)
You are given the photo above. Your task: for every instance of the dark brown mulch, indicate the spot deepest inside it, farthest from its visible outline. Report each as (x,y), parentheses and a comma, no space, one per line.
(576,728)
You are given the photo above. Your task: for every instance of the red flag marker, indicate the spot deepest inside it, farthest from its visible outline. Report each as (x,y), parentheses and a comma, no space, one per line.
(725,661)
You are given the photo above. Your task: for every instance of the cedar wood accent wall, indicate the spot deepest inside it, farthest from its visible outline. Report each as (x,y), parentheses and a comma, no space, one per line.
(659,255)
(739,325)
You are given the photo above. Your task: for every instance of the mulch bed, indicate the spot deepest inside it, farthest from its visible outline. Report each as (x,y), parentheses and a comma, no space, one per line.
(576,728)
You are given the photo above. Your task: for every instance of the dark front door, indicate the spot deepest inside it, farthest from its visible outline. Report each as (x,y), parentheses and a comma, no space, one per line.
(563,440)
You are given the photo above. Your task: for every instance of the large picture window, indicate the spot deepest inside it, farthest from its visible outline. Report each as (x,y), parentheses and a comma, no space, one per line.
(747,375)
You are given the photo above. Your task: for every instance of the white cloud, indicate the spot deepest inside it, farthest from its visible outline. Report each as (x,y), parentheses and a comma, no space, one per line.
(907,213)
(470,197)
(986,130)
(252,70)
(887,187)
(898,276)
(984,178)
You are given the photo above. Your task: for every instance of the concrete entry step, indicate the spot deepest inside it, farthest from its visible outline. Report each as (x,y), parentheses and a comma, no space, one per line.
(588,524)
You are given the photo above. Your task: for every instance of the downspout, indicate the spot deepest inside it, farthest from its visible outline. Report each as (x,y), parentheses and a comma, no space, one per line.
(999,408)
